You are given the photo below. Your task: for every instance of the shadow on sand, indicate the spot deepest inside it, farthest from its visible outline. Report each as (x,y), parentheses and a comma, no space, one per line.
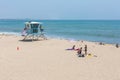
(30,40)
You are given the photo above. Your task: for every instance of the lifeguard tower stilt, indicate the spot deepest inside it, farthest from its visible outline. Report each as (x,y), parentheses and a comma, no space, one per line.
(33,31)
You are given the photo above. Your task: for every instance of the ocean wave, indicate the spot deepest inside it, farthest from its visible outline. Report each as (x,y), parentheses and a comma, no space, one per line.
(11,33)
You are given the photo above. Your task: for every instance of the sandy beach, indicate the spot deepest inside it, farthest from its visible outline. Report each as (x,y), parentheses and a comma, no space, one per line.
(49,60)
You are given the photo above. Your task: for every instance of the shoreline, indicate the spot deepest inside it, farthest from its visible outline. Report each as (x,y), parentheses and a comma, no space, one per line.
(97,42)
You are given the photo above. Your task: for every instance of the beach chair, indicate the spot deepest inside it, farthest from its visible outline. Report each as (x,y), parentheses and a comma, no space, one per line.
(33,31)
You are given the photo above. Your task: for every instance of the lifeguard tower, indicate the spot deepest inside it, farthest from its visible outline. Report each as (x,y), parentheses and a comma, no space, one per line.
(33,31)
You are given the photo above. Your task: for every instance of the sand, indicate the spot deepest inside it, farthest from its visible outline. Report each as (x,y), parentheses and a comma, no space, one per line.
(49,60)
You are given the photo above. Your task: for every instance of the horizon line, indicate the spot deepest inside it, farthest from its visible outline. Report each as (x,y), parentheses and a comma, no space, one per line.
(50,19)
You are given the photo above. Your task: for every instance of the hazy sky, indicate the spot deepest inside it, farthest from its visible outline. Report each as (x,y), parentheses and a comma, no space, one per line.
(60,9)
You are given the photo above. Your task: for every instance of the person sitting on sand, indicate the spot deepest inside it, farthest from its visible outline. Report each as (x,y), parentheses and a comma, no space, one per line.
(80,53)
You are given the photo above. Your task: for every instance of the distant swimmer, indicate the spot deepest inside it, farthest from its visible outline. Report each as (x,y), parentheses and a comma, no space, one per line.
(117,45)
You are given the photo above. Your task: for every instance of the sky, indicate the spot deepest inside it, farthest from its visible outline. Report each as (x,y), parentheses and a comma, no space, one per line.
(60,9)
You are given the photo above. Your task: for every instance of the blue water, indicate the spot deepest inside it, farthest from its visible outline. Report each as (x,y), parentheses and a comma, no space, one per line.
(92,30)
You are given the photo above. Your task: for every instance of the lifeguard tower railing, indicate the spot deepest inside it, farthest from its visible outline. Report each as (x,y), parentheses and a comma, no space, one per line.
(34,31)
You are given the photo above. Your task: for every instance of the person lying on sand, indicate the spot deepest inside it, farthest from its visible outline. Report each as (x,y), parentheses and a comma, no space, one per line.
(73,48)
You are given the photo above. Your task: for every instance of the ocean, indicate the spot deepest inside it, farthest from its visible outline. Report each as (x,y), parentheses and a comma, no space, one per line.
(107,31)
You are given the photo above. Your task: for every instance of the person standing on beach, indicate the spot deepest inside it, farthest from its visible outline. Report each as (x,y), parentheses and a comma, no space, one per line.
(85,49)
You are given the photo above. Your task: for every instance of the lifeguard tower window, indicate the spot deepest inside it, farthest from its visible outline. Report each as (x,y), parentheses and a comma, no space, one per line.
(34,28)
(34,25)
